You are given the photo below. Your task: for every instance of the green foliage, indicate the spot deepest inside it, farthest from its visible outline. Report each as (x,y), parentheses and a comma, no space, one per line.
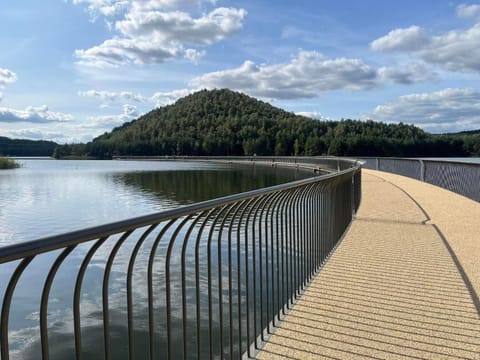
(7,163)
(17,147)
(223,122)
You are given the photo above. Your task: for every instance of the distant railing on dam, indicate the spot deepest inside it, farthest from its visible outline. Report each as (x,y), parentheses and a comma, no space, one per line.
(326,163)
(208,280)
(460,177)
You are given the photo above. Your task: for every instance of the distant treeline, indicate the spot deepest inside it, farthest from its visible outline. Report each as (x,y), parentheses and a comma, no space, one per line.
(223,122)
(17,147)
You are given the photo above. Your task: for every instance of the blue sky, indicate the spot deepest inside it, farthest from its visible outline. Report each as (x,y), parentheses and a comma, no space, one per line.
(72,69)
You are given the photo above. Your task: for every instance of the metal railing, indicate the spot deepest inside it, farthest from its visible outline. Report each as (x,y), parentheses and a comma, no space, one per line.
(460,177)
(208,280)
(316,163)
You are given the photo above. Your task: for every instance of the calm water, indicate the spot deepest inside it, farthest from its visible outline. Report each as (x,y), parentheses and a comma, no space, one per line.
(47,197)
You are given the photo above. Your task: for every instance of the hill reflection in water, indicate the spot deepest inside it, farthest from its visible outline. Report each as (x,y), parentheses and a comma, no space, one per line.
(191,186)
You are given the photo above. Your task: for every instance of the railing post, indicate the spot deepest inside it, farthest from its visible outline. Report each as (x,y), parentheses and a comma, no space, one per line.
(377,164)
(353,197)
(422,170)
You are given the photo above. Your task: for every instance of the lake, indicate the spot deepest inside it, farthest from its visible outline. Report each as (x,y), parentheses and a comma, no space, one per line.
(46,197)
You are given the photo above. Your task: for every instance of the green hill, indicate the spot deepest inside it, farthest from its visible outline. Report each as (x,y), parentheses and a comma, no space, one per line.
(224,122)
(20,147)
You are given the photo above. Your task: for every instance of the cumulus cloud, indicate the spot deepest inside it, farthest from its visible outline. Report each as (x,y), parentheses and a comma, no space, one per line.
(112,95)
(468,11)
(411,38)
(109,8)
(440,111)
(312,115)
(115,52)
(456,50)
(410,74)
(160,98)
(130,110)
(305,76)
(109,121)
(168,4)
(166,98)
(39,114)
(6,77)
(103,7)
(193,55)
(180,27)
(149,36)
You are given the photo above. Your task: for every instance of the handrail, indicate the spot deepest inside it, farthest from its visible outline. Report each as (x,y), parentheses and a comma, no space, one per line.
(191,271)
(460,177)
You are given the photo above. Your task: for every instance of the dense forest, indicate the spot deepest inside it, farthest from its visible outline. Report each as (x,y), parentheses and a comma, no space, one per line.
(17,147)
(223,122)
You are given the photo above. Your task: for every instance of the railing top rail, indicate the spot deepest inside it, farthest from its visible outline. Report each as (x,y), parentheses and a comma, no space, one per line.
(21,250)
(424,159)
(450,161)
(389,158)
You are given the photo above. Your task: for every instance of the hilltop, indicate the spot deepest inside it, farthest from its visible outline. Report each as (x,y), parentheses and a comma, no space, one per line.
(224,122)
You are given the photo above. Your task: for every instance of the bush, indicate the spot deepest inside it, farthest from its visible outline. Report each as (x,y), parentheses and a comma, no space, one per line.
(7,163)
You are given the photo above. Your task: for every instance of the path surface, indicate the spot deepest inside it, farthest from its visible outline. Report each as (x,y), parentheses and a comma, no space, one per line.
(402,283)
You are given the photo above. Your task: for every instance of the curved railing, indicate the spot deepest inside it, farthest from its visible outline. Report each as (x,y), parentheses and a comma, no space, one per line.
(208,280)
(460,177)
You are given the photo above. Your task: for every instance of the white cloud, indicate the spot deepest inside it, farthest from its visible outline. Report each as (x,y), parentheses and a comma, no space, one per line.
(166,98)
(168,4)
(107,122)
(115,52)
(39,114)
(152,37)
(406,75)
(180,27)
(193,55)
(159,98)
(104,7)
(411,38)
(6,77)
(457,50)
(312,114)
(110,8)
(112,95)
(130,110)
(305,76)
(468,11)
(440,111)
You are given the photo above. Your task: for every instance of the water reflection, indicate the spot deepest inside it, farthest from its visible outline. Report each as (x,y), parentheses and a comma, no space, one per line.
(144,189)
(185,187)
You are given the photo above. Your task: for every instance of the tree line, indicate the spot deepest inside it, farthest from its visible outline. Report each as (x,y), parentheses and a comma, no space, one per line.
(21,147)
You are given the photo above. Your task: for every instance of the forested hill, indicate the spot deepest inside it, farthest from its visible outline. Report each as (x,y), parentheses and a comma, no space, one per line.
(223,122)
(20,147)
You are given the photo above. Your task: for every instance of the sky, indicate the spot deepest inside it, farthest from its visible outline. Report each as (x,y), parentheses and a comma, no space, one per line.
(71,70)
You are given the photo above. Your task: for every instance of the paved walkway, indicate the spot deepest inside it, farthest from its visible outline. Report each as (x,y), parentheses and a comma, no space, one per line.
(402,284)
